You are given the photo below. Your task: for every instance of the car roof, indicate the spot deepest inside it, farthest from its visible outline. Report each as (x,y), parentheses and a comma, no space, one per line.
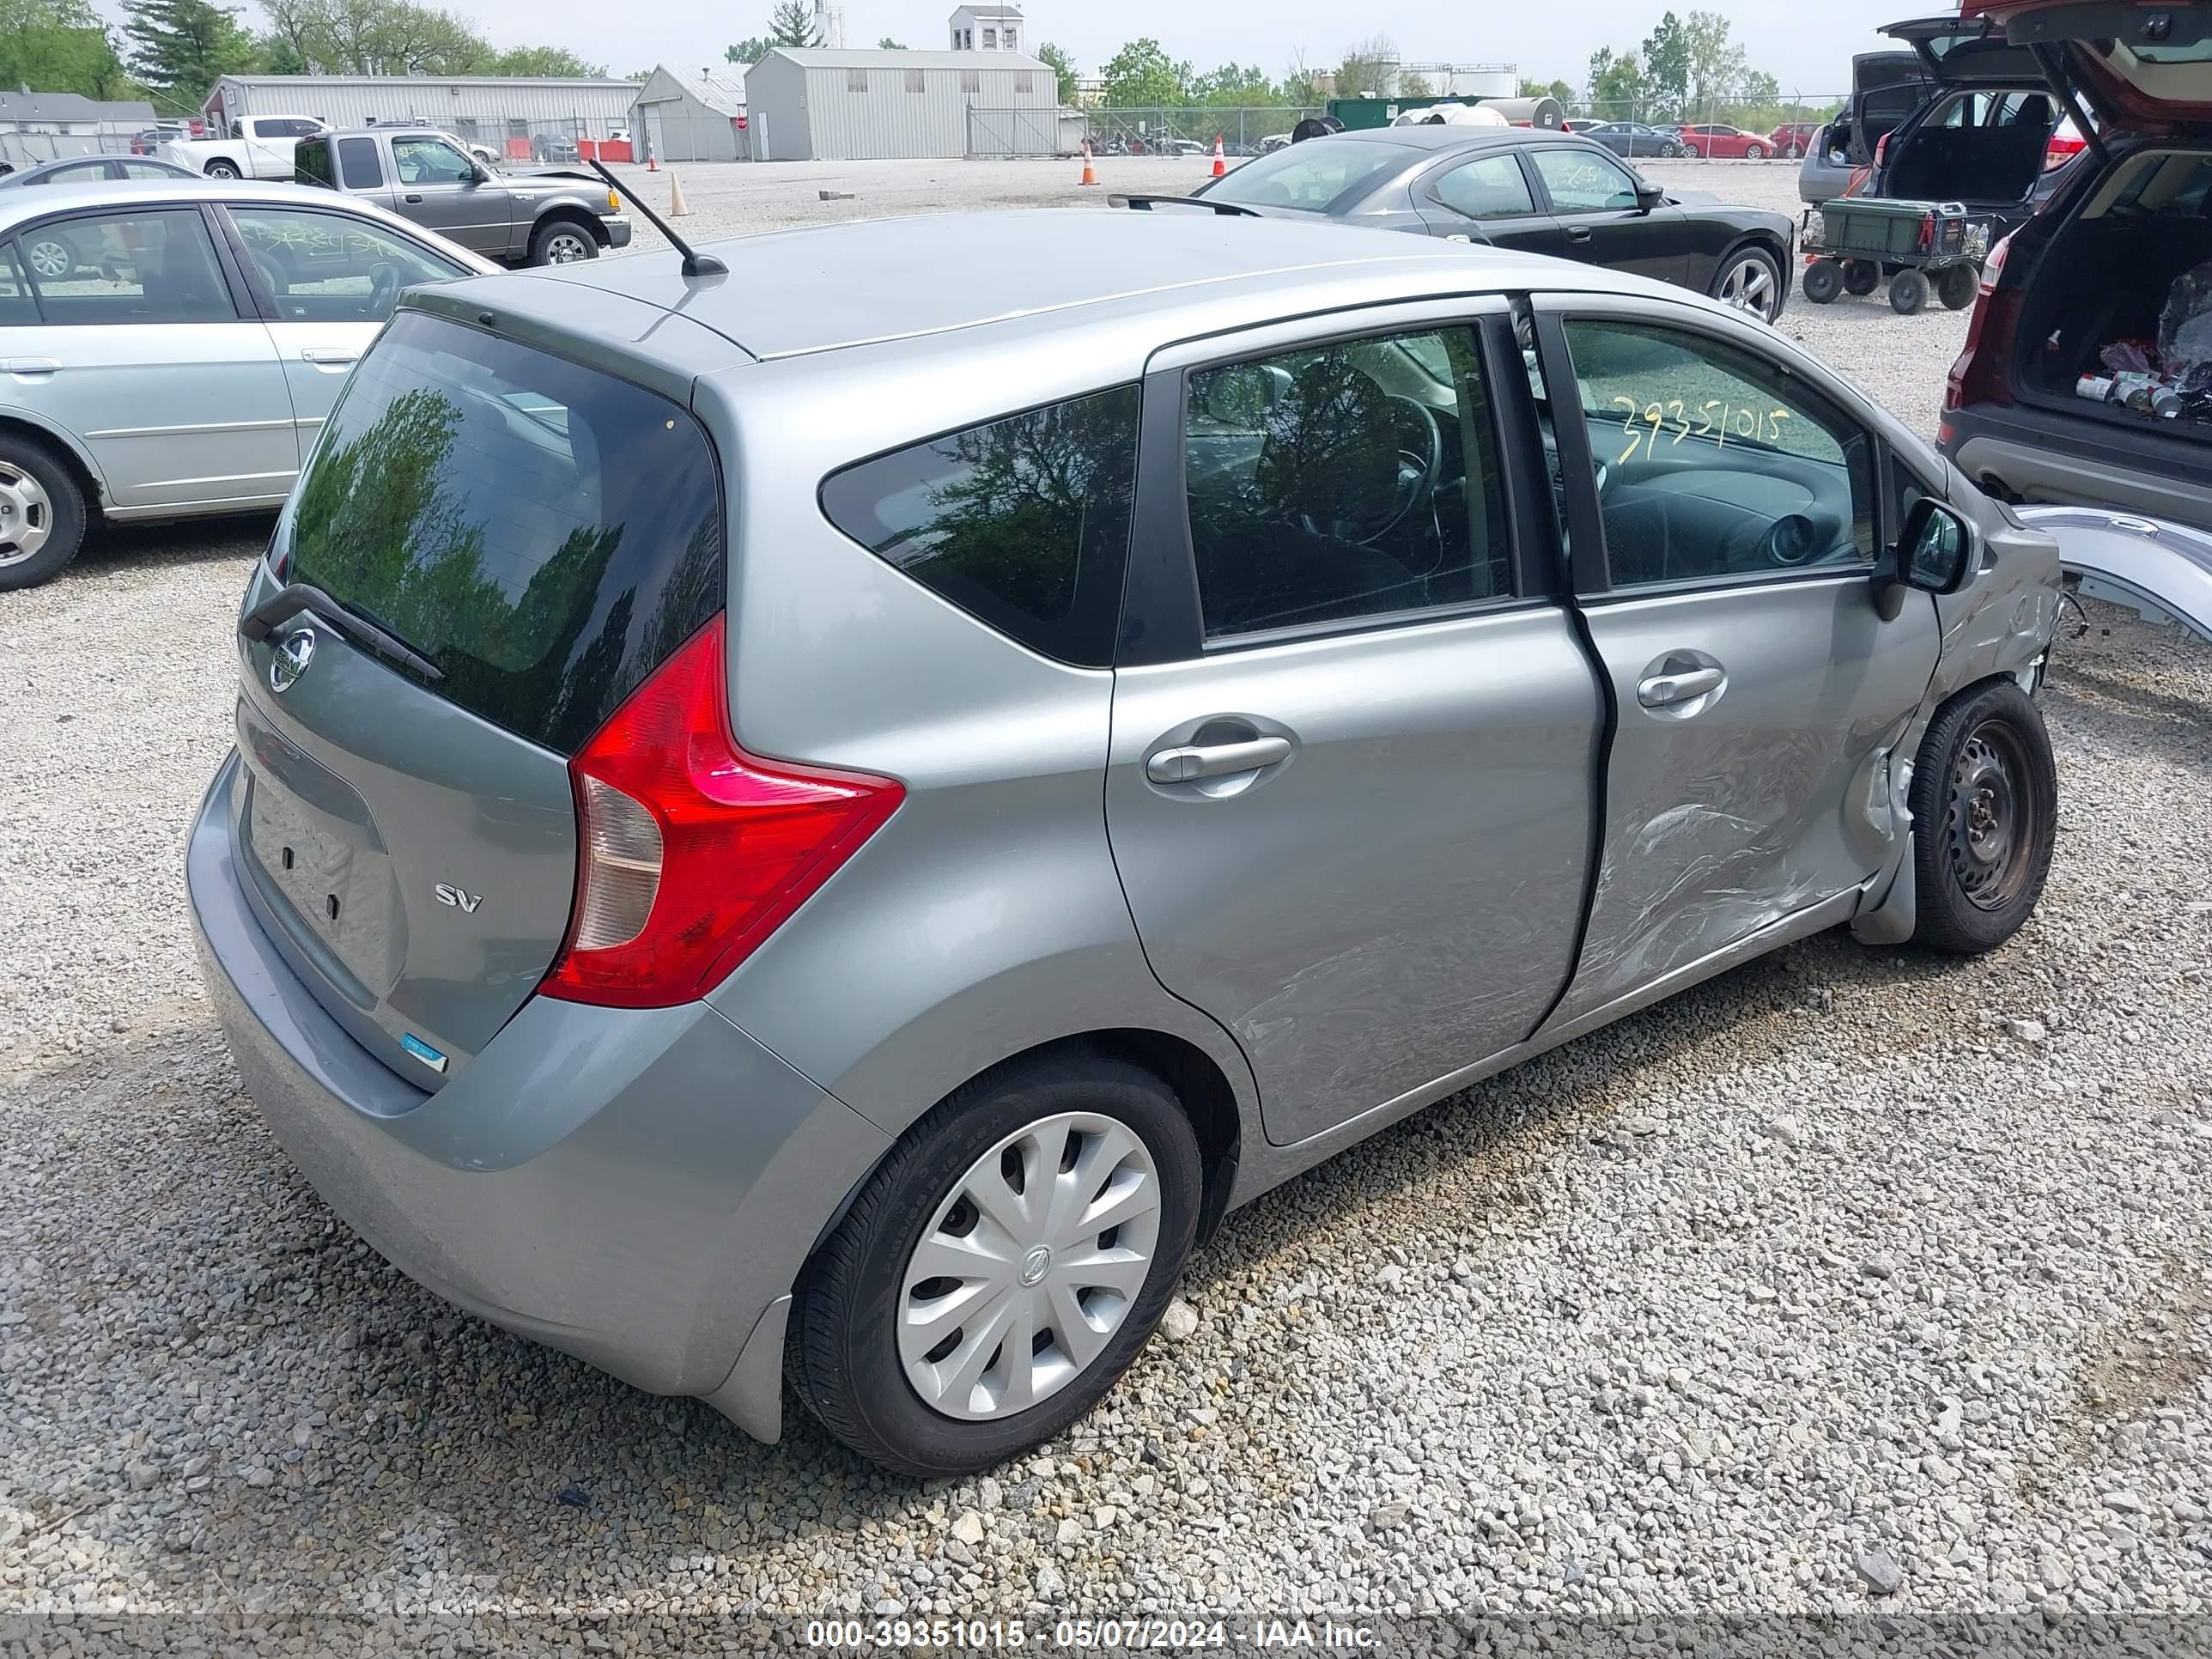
(1443,135)
(869,282)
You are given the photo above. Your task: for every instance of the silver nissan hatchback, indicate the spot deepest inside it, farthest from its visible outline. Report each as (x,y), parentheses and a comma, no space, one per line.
(825,822)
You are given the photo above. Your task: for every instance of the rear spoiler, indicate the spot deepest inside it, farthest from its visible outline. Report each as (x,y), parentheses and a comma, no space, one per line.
(1144,203)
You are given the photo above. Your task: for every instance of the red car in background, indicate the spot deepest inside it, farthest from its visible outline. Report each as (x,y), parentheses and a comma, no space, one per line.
(1793,138)
(1732,143)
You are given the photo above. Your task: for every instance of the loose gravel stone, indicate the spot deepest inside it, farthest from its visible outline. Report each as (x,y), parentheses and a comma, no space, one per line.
(1610,1377)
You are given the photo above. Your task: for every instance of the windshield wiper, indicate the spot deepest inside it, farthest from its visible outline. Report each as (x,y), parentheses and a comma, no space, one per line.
(356,622)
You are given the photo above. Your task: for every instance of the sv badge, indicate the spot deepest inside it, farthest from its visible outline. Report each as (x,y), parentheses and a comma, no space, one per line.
(460,898)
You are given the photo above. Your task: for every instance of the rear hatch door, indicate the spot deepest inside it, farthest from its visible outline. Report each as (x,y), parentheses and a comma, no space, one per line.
(1967,51)
(539,536)
(1886,87)
(2143,66)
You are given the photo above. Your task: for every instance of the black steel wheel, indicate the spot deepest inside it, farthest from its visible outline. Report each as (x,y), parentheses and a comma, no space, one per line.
(1822,282)
(1860,276)
(1984,809)
(1958,286)
(1908,291)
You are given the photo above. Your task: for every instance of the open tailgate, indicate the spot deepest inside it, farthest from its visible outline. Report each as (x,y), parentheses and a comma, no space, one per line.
(2147,65)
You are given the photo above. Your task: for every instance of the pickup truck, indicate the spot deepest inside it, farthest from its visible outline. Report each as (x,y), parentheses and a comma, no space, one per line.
(259,147)
(538,217)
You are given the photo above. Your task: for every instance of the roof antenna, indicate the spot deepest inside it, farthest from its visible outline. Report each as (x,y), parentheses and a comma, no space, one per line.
(696,263)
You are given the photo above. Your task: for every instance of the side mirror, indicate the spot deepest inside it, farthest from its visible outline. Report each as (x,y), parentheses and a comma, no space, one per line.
(1239,395)
(1649,196)
(1934,554)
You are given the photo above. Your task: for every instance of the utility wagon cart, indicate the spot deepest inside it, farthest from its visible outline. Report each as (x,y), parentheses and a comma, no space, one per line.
(1854,242)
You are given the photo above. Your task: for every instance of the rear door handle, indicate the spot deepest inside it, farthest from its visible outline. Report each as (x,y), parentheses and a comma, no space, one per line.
(1578,232)
(1661,690)
(30,365)
(1217,760)
(332,356)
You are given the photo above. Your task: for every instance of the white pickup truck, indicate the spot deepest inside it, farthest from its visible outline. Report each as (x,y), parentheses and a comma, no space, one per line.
(259,147)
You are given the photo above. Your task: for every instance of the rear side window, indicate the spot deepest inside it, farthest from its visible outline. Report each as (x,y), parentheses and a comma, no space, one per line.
(1023,522)
(546,534)
(1311,176)
(358,163)
(310,163)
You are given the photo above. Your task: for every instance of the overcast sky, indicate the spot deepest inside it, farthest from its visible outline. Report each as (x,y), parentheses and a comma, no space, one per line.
(1806,44)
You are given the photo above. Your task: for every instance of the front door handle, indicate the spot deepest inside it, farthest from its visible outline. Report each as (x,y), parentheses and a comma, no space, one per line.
(1217,760)
(414,196)
(1662,690)
(30,365)
(333,356)
(1578,232)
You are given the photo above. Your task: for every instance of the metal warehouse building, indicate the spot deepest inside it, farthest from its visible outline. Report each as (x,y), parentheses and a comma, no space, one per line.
(811,104)
(491,110)
(698,116)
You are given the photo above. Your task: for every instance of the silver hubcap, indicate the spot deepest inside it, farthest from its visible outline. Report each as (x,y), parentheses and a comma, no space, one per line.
(1749,286)
(1030,1267)
(26,517)
(51,259)
(566,250)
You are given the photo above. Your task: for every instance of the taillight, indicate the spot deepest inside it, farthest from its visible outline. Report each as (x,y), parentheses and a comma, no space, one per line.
(1982,373)
(689,851)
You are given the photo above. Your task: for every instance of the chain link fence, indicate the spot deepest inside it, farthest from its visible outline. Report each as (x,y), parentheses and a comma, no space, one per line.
(1117,132)
(1784,127)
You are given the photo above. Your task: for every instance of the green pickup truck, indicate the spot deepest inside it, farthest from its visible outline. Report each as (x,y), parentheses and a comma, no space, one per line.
(536,216)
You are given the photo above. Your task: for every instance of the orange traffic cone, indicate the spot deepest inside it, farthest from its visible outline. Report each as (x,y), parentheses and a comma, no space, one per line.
(652,163)
(1090,173)
(1220,161)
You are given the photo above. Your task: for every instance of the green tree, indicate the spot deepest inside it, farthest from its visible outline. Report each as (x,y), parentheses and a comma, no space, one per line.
(889,45)
(61,46)
(373,37)
(540,62)
(1415,86)
(1619,90)
(1718,67)
(1234,86)
(1668,67)
(1063,66)
(1370,70)
(1141,75)
(792,24)
(749,50)
(180,48)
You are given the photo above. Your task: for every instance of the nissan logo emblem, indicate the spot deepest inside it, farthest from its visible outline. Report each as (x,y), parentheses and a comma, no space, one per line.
(292,657)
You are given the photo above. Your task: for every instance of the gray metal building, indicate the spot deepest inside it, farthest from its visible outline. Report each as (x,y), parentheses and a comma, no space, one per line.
(691,116)
(814,105)
(492,110)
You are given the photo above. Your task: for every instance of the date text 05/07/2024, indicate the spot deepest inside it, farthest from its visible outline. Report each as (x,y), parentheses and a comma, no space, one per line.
(1092,1635)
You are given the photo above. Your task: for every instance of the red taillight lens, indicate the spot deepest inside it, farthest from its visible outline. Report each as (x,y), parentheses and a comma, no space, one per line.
(689,851)
(1982,373)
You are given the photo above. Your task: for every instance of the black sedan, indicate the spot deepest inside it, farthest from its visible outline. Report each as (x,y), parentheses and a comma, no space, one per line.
(1633,138)
(92,169)
(1540,192)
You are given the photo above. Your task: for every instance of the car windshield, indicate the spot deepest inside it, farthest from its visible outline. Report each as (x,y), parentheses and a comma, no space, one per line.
(1311,177)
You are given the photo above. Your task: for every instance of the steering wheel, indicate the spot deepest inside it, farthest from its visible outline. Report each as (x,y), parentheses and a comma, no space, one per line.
(1791,540)
(383,288)
(1418,463)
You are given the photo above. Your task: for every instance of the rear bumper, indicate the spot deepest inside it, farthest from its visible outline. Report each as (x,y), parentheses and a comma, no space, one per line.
(2043,460)
(636,1188)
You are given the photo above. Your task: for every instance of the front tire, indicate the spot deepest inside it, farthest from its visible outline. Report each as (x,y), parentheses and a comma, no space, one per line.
(561,242)
(1985,812)
(220,169)
(41,513)
(1754,152)
(1860,276)
(1823,281)
(1908,291)
(1750,279)
(979,1236)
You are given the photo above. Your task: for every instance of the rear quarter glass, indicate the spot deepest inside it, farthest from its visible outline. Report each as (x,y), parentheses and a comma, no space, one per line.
(543,532)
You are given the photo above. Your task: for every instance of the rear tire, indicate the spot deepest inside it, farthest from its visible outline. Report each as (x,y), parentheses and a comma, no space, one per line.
(1860,276)
(849,1321)
(1908,291)
(41,513)
(1958,286)
(1822,282)
(219,169)
(1986,814)
(1692,151)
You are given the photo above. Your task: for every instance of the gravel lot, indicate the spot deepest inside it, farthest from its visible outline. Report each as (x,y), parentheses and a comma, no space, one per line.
(1852,1281)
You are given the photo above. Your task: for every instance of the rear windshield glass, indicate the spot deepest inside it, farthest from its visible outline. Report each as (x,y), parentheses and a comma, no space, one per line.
(1312,175)
(546,534)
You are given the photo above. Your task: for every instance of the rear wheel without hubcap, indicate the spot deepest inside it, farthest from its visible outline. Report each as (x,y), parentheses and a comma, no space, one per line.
(1984,809)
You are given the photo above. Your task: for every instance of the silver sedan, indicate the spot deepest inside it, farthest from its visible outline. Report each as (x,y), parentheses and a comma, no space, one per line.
(169,348)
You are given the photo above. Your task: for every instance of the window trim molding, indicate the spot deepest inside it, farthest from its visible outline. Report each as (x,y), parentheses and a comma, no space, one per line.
(244,302)
(1428,186)
(1163,612)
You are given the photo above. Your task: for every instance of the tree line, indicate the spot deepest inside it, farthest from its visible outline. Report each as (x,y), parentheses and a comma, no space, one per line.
(172,51)
(1687,69)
